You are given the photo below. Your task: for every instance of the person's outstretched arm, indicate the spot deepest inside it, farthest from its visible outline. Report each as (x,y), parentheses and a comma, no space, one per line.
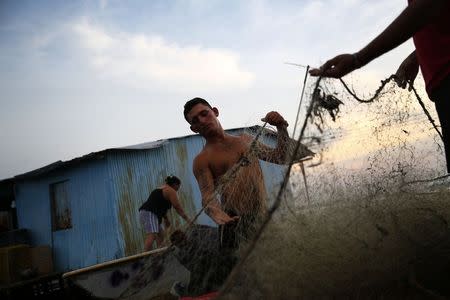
(205,181)
(171,195)
(275,155)
(412,19)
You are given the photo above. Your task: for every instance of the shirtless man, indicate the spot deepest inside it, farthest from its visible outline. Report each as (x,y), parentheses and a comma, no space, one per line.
(229,176)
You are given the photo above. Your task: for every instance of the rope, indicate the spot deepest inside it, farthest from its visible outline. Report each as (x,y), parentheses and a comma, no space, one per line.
(380,88)
(426,111)
(301,100)
(377,92)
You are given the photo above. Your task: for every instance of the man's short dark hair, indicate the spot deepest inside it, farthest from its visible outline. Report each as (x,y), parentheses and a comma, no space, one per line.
(193,102)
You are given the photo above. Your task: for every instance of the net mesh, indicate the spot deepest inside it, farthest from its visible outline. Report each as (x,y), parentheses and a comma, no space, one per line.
(371,220)
(366,217)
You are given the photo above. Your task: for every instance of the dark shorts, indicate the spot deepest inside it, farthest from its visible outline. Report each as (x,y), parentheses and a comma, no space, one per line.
(231,235)
(441,98)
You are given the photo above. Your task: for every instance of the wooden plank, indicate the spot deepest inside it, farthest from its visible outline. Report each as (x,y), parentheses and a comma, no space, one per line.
(112,262)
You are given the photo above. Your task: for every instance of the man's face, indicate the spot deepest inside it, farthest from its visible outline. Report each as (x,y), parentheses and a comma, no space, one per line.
(203,119)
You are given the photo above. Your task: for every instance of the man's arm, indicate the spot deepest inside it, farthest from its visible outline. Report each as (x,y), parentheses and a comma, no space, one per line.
(412,19)
(275,155)
(206,184)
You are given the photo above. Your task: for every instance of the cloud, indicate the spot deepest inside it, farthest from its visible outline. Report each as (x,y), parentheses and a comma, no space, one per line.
(103,4)
(41,40)
(139,59)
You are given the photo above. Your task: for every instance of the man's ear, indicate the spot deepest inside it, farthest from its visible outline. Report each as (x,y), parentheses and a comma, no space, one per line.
(216,111)
(193,129)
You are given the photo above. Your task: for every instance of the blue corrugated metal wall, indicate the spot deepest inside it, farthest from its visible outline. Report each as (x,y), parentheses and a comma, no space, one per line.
(137,173)
(105,195)
(33,210)
(93,236)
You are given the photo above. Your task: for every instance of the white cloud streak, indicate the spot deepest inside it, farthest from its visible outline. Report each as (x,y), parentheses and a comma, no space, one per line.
(139,59)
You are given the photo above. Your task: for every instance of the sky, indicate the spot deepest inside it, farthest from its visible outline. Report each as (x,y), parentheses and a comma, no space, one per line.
(83,76)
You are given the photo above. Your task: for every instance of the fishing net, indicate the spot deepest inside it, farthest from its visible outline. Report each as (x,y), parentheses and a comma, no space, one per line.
(360,211)
(367,218)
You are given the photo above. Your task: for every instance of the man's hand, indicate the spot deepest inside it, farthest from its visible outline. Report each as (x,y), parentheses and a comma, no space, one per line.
(407,71)
(221,217)
(275,119)
(337,67)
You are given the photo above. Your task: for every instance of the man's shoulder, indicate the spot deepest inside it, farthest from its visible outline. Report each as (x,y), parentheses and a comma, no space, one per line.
(245,138)
(203,153)
(201,157)
(242,137)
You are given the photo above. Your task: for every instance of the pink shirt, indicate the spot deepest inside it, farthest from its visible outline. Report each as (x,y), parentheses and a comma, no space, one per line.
(433,49)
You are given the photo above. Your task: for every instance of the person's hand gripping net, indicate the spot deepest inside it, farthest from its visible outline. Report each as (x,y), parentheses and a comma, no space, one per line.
(338,66)
(275,119)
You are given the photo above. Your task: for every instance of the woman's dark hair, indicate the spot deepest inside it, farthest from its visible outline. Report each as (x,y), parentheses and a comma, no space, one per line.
(171,180)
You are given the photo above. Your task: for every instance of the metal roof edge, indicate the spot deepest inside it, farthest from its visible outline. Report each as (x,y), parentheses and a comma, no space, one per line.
(99,154)
(58,165)
(229,129)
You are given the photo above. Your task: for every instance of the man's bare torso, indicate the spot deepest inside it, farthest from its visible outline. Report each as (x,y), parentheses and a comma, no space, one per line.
(241,186)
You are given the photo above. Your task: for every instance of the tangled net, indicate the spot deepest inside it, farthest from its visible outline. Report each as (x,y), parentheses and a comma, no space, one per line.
(357,221)
(244,282)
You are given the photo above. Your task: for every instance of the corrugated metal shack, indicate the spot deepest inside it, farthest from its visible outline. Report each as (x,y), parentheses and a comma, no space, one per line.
(86,208)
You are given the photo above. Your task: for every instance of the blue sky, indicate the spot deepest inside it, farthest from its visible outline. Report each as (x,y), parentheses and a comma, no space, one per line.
(83,76)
